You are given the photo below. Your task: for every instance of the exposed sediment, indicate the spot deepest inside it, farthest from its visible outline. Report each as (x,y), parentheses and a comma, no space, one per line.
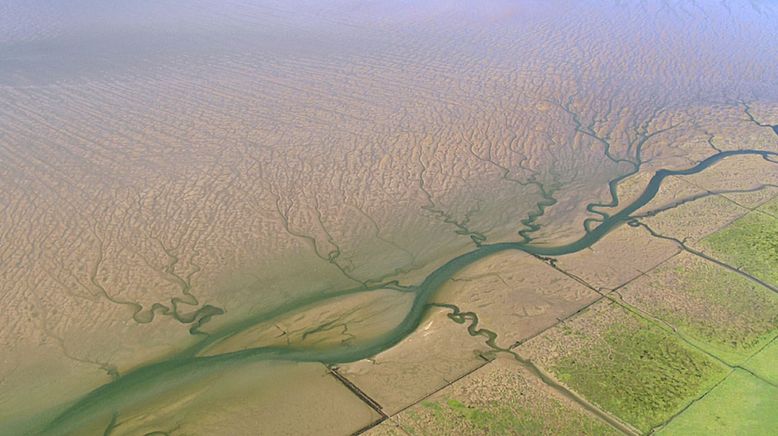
(141,383)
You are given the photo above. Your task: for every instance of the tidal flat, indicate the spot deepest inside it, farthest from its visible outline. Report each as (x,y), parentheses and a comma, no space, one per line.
(220,217)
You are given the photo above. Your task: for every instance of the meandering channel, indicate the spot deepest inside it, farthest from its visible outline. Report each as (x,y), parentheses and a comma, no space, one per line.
(141,384)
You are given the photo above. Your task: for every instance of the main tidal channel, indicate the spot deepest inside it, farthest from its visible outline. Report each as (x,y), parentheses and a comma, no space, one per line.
(146,382)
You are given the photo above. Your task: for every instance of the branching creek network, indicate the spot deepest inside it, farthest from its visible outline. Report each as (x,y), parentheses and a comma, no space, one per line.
(140,384)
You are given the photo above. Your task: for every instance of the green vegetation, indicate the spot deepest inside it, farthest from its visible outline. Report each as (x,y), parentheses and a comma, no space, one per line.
(742,404)
(548,417)
(765,363)
(640,373)
(751,243)
(494,419)
(770,207)
(722,312)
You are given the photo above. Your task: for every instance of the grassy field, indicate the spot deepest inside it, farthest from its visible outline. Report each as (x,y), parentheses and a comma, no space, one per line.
(501,418)
(741,405)
(765,363)
(720,311)
(502,398)
(745,314)
(639,372)
(770,207)
(751,243)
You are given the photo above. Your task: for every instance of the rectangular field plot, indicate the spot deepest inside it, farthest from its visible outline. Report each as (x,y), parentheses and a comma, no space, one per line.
(771,207)
(500,398)
(721,311)
(639,372)
(741,405)
(750,243)
(765,363)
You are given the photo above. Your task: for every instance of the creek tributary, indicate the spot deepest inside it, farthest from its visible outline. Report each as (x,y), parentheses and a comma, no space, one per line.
(145,382)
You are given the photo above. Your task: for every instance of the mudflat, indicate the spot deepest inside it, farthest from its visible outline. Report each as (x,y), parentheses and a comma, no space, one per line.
(297,217)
